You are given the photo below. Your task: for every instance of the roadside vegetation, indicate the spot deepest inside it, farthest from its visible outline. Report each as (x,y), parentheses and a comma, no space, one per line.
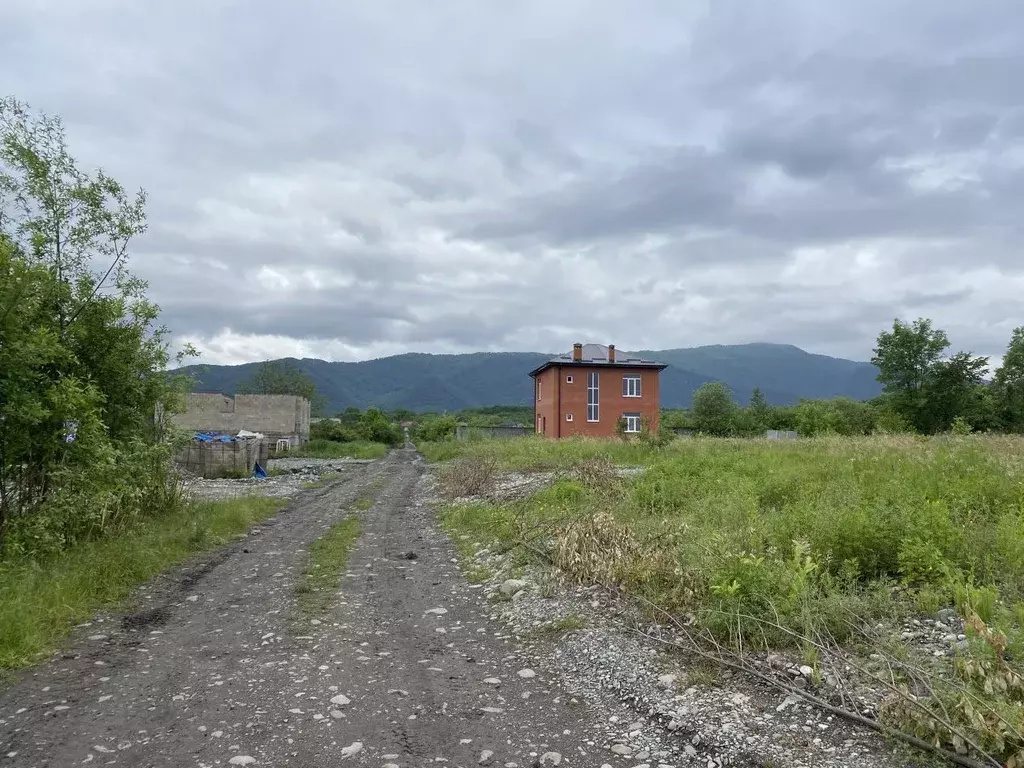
(41,599)
(805,546)
(90,505)
(353,434)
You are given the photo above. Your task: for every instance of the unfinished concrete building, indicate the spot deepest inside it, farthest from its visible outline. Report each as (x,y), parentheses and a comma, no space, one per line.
(278,417)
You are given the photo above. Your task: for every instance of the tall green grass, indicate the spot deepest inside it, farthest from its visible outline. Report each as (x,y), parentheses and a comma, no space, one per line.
(769,544)
(329,449)
(765,526)
(41,600)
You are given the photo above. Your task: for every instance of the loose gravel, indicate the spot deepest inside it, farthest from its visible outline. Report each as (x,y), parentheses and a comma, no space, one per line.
(216,666)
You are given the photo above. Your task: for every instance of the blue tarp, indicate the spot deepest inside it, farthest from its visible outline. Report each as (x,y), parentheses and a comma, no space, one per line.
(258,471)
(208,437)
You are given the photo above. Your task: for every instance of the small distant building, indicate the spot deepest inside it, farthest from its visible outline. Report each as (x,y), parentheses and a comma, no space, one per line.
(589,390)
(277,417)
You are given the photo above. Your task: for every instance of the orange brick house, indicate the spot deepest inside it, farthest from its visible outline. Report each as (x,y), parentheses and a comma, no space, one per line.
(587,392)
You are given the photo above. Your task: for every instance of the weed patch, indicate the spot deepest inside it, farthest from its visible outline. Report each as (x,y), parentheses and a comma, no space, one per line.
(40,600)
(467,476)
(318,587)
(775,545)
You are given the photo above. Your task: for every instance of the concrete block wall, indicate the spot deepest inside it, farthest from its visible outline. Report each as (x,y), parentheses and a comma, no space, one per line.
(466,432)
(235,459)
(276,416)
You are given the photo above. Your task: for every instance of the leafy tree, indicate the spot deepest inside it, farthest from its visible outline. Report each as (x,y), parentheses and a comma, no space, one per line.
(782,418)
(350,416)
(1008,385)
(853,417)
(743,422)
(82,361)
(713,410)
(283,377)
(928,389)
(436,429)
(759,411)
(817,417)
(951,391)
(378,428)
(673,418)
(905,358)
(891,422)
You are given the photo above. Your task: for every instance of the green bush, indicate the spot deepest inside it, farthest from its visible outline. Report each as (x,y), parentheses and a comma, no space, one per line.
(435,429)
(43,597)
(764,544)
(371,426)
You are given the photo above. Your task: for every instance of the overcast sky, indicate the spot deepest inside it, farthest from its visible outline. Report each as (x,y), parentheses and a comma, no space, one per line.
(350,179)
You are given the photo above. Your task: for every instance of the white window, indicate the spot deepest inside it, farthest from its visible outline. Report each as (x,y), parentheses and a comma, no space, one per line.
(568,379)
(593,411)
(538,389)
(631,386)
(568,417)
(632,421)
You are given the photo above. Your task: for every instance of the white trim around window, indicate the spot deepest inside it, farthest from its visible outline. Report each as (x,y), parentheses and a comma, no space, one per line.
(593,397)
(631,385)
(632,422)
(568,379)
(568,417)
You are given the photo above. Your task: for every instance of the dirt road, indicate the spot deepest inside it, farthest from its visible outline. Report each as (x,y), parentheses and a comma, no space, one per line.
(220,669)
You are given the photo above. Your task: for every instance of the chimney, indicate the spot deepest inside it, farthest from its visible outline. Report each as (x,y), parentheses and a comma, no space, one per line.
(611,353)
(577,352)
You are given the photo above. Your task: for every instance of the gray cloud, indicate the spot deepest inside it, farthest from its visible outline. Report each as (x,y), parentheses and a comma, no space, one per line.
(362,179)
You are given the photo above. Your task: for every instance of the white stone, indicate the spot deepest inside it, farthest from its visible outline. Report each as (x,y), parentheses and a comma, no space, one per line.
(485,756)
(437,611)
(492,681)
(554,758)
(351,750)
(341,700)
(526,674)
(511,586)
(242,760)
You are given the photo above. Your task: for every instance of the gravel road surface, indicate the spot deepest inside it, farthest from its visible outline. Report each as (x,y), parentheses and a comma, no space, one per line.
(217,668)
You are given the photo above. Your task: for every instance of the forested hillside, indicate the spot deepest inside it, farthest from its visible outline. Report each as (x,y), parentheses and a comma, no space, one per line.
(451,382)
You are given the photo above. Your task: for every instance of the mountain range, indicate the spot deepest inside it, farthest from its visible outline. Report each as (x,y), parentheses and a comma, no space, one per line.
(425,382)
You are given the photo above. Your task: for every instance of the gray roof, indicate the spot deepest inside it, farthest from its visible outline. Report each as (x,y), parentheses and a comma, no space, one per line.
(597,354)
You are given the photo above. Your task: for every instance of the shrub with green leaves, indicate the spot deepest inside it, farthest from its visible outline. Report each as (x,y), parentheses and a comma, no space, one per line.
(82,359)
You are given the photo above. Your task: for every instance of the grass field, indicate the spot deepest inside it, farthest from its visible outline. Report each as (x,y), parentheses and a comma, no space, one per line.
(772,543)
(41,601)
(329,449)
